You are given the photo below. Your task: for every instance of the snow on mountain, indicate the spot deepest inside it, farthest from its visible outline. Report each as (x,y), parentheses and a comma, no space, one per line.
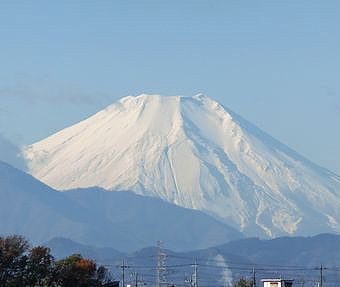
(121,220)
(195,153)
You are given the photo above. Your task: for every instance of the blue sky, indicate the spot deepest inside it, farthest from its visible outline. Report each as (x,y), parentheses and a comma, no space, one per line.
(276,63)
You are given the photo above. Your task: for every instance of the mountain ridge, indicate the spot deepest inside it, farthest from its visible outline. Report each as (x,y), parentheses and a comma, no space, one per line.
(95,217)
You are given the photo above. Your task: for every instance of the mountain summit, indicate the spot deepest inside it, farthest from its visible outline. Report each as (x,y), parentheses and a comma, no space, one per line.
(195,153)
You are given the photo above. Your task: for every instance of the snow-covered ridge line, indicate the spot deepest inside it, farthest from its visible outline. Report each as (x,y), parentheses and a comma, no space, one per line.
(195,153)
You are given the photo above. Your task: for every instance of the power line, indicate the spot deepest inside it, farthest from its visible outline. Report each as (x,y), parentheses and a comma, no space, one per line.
(208,273)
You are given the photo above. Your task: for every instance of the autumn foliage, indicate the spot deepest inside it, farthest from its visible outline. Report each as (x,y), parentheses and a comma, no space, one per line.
(25,266)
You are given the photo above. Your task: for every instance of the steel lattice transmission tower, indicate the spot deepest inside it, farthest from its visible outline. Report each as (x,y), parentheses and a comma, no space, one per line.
(161,267)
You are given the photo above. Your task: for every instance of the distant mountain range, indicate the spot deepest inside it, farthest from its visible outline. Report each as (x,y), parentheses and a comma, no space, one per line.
(297,258)
(195,153)
(122,220)
(282,251)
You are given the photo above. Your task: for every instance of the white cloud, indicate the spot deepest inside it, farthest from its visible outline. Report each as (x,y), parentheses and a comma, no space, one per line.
(32,90)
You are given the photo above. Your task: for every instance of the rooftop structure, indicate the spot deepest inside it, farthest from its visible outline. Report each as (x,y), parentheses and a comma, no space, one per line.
(277,282)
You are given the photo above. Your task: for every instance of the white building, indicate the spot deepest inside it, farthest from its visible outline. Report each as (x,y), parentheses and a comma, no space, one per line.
(277,283)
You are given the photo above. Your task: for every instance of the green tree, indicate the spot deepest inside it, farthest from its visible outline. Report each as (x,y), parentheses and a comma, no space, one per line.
(21,266)
(242,282)
(75,271)
(39,267)
(12,260)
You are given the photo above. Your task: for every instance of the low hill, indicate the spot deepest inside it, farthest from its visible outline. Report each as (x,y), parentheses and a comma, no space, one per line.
(122,220)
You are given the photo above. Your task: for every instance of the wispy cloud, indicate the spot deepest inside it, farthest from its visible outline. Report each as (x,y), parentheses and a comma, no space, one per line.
(10,153)
(32,90)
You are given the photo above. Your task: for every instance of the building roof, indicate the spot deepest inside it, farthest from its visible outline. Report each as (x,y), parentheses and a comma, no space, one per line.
(276,280)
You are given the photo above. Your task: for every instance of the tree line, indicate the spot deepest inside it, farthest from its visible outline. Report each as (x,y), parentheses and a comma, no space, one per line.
(24,266)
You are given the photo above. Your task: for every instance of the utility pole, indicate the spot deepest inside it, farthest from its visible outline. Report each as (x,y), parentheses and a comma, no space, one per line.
(321,276)
(254,278)
(123,267)
(194,281)
(136,279)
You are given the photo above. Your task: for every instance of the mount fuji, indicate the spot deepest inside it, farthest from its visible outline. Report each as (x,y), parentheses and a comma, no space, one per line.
(195,153)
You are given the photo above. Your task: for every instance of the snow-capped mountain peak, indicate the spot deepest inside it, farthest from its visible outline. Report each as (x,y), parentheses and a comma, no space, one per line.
(195,153)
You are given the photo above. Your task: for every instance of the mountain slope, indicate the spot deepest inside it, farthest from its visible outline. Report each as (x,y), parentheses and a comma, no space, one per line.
(62,247)
(121,220)
(195,153)
(31,208)
(147,219)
